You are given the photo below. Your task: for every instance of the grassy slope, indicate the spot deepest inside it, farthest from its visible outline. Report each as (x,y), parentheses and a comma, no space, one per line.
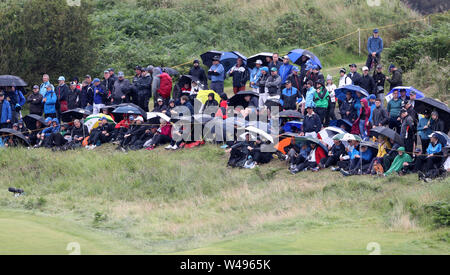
(189,202)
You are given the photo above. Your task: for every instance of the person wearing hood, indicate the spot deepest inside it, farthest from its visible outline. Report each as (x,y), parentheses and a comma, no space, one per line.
(255,75)
(217,76)
(211,106)
(50,99)
(361,125)
(261,83)
(35,102)
(122,87)
(5,112)
(198,73)
(16,100)
(396,79)
(400,161)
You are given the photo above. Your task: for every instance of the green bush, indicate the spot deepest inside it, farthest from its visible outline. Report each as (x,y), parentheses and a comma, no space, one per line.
(440,211)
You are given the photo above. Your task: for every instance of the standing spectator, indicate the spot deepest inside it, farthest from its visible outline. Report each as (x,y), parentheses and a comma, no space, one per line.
(296,80)
(354,75)
(394,107)
(261,83)
(199,74)
(380,116)
(380,80)
(100,95)
(240,75)
(156,83)
(289,97)
(273,83)
(310,94)
(331,88)
(255,75)
(132,95)
(275,62)
(73,97)
(407,130)
(425,130)
(285,70)
(112,75)
(143,89)
(122,87)
(396,78)
(165,86)
(217,75)
(367,82)
(16,100)
(35,101)
(374,47)
(45,83)
(5,112)
(108,83)
(50,100)
(87,93)
(403,97)
(344,80)
(361,125)
(321,99)
(61,92)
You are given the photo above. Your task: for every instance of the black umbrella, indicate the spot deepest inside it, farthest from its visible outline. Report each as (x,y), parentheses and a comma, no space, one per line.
(291,114)
(185,79)
(77,113)
(272,103)
(238,99)
(7,131)
(369,144)
(12,80)
(30,121)
(170,71)
(130,109)
(430,104)
(387,132)
(207,58)
(251,61)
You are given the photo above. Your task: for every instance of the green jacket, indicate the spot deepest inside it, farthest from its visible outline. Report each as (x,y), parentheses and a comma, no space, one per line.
(322,98)
(397,165)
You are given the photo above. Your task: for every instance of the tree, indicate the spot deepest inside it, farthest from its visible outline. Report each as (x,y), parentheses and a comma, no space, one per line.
(45,37)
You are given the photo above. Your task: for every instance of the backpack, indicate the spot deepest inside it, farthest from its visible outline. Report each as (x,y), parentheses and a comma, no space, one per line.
(165,86)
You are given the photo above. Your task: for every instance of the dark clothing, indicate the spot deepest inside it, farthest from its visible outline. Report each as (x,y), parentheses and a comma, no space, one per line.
(277,65)
(356,78)
(296,81)
(73,99)
(79,132)
(437,125)
(368,83)
(61,93)
(159,108)
(348,106)
(336,151)
(143,90)
(380,80)
(87,96)
(121,88)
(36,105)
(289,98)
(261,83)
(199,74)
(380,116)
(240,76)
(312,124)
(396,79)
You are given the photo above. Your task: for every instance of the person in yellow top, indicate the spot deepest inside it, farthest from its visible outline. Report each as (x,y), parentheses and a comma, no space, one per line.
(383,147)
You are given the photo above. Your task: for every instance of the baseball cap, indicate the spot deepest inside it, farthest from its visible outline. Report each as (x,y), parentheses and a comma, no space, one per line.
(35,87)
(296,69)
(391,66)
(121,74)
(138,68)
(160,99)
(375,31)
(131,117)
(413,93)
(106,71)
(285,57)
(140,119)
(61,78)
(96,80)
(329,77)
(353,65)
(259,62)
(73,83)
(365,68)
(196,62)
(87,76)
(288,82)
(379,66)
(274,69)
(111,69)
(216,58)
(343,70)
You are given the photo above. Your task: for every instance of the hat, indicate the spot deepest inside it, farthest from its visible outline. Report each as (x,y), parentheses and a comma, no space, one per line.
(320,81)
(131,118)
(138,68)
(160,99)
(121,74)
(412,93)
(379,66)
(288,82)
(196,61)
(139,118)
(329,77)
(403,111)
(259,62)
(266,69)
(106,72)
(391,67)
(365,68)
(87,76)
(104,118)
(343,70)
(295,69)
(285,57)
(16,125)
(111,69)
(274,69)
(353,65)
(216,58)
(375,31)
(171,100)
(73,83)
(401,149)
(35,87)
(434,135)
(315,67)
(61,78)
(96,80)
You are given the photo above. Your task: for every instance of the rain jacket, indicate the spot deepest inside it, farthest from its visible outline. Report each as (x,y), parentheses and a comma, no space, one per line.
(310,94)
(322,98)
(375,45)
(50,103)
(434,149)
(240,75)
(312,124)
(121,88)
(424,133)
(219,76)
(6,111)
(397,165)
(100,94)
(199,74)
(35,101)
(165,85)
(52,130)
(288,98)
(273,85)
(285,71)
(396,79)
(394,107)
(255,75)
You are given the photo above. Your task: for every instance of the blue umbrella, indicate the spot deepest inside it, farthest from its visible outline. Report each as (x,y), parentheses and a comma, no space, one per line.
(229,59)
(341,92)
(130,109)
(288,127)
(295,56)
(419,94)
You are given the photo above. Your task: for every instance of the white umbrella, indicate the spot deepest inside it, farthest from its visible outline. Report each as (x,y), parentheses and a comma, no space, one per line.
(328,133)
(260,132)
(155,114)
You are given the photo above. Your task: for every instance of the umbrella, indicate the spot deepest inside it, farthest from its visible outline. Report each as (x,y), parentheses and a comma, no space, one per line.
(7,131)
(92,121)
(170,71)
(260,125)
(431,104)
(238,99)
(308,139)
(202,96)
(295,56)
(288,127)
(185,79)
(131,109)
(290,114)
(207,58)
(77,113)
(341,92)
(260,132)
(344,122)
(202,118)
(152,115)
(30,121)
(328,133)
(444,140)
(232,121)
(419,94)
(387,132)
(251,61)
(347,137)
(370,144)
(229,59)
(12,80)
(272,103)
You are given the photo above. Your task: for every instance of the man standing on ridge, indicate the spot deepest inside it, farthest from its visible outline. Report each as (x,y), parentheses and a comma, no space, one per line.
(374,47)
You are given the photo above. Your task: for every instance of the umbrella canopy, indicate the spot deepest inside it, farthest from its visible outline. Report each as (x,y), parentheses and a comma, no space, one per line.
(12,80)
(260,132)
(92,121)
(202,118)
(299,140)
(152,115)
(170,71)
(131,109)
(341,92)
(238,99)
(202,96)
(295,56)
(207,58)
(328,133)
(251,61)
(77,113)
(387,132)
(272,103)
(185,79)
(30,121)
(370,144)
(229,59)
(431,105)
(347,137)
(344,123)
(260,125)
(444,139)
(390,95)
(291,114)
(289,126)
(11,132)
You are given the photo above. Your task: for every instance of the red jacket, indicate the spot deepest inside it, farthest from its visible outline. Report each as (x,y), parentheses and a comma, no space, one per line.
(165,86)
(166,130)
(355,128)
(320,154)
